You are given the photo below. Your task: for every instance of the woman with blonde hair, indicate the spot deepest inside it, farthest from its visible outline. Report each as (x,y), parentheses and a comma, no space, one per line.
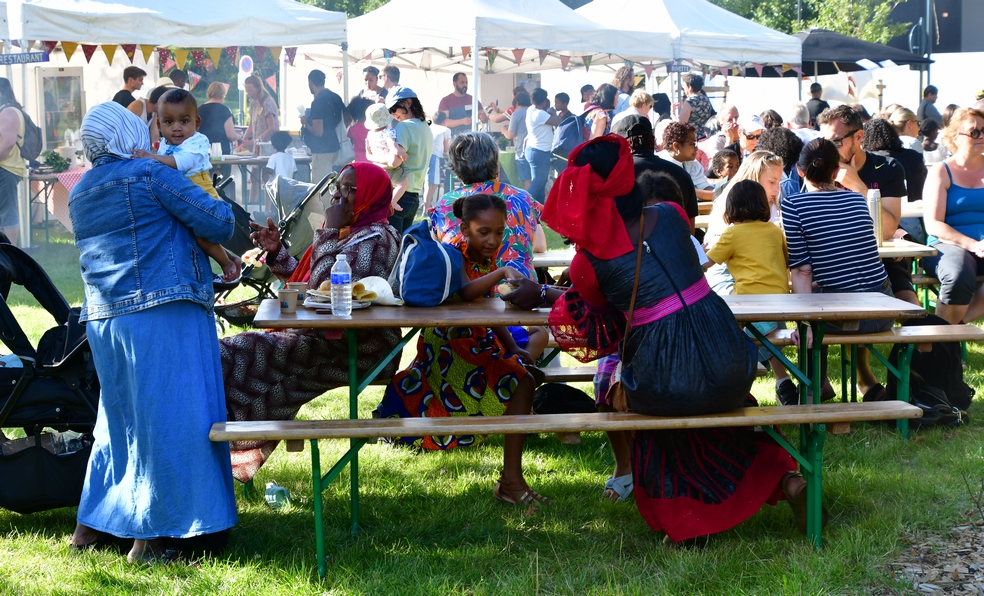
(907,125)
(763,167)
(954,215)
(217,122)
(640,103)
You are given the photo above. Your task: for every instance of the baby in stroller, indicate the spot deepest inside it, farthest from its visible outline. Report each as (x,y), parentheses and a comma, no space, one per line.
(187,150)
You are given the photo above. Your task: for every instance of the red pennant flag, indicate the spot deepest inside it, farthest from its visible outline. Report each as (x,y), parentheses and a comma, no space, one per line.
(130,49)
(88,51)
(163,55)
(199,57)
(291,52)
(339,74)
(758,68)
(563,62)
(518,55)
(260,53)
(465,50)
(272,81)
(543,55)
(49,46)
(233,53)
(649,69)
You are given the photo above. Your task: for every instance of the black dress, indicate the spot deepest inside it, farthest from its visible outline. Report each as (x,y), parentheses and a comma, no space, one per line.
(214,117)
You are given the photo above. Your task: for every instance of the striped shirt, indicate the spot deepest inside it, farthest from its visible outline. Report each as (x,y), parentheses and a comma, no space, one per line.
(832,231)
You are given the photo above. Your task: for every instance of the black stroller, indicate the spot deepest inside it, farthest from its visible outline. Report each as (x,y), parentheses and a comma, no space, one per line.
(50,392)
(298,217)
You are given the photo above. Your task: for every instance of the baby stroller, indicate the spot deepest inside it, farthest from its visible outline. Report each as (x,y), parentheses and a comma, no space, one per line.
(299,216)
(51,392)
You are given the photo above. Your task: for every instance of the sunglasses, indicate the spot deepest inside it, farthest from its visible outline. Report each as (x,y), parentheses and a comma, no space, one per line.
(839,141)
(974,133)
(752,137)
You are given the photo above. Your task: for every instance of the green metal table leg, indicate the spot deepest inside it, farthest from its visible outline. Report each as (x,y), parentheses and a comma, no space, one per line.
(819,327)
(353,414)
(814,485)
(319,528)
(804,356)
(905,365)
(854,373)
(248,489)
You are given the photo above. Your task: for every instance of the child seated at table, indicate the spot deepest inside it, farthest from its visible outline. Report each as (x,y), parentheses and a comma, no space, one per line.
(280,163)
(483,224)
(758,258)
(723,168)
(382,149)
(187,150)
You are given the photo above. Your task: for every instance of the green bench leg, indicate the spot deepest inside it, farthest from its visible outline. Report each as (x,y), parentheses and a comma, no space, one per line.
(814,484)
(905,365)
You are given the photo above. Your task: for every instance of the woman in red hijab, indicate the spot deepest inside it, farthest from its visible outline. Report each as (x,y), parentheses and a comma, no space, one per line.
(270,375)
(685,354)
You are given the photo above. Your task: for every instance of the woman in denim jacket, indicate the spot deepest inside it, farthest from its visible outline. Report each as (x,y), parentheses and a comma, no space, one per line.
(153,473)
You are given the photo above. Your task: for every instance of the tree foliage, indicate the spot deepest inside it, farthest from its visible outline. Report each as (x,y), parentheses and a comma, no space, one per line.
(863,19)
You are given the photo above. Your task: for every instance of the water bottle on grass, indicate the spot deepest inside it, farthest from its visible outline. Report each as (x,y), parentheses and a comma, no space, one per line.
(276,496)
(341,288)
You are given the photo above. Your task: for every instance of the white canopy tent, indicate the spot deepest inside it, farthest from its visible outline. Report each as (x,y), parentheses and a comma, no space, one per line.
(430,35)
(701,31)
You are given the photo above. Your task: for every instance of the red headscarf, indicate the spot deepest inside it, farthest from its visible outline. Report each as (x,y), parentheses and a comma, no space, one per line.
(373,195)
(581,206)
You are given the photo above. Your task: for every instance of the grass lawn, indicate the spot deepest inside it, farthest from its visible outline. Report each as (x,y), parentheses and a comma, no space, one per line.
(431,526)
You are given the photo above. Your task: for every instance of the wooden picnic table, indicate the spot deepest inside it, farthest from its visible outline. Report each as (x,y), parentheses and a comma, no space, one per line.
(813,310)
(913,209)
(889,249)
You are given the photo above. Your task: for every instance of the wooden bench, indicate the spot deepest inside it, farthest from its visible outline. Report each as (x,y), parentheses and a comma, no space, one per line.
(811,418)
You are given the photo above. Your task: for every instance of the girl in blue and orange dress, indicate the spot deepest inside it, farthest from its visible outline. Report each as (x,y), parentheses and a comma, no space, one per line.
(470,371)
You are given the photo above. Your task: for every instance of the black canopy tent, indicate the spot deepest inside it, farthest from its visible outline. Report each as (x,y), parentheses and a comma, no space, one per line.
(826,53)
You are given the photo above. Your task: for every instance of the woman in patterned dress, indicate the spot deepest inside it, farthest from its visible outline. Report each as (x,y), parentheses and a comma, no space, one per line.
(470,371)
(270,375)
(696,109)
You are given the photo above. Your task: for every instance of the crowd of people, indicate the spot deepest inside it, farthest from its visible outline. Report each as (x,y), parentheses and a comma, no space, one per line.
(787,189)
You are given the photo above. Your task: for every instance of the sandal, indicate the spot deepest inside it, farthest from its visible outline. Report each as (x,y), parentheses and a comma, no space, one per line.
(165,556)
(876,393)
(503,487)
(621,486)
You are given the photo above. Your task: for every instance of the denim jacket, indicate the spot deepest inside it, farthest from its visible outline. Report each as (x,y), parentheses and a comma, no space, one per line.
(135,222)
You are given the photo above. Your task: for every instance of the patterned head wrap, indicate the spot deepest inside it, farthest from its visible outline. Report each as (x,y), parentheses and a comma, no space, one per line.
(109,129)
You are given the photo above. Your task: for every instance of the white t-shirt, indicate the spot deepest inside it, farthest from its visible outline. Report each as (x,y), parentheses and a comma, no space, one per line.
(806,134)
(441,134)
(283,165)
(539,134)
(693,168)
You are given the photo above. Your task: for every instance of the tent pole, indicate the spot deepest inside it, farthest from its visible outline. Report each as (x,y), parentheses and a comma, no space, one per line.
(24,189)
(474,51)
(345,72)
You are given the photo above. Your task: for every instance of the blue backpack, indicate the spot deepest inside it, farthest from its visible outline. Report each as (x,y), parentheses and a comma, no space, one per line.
(427,272)
(570,134)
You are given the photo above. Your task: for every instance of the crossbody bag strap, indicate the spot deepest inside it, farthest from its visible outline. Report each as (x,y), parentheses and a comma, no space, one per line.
(635,284)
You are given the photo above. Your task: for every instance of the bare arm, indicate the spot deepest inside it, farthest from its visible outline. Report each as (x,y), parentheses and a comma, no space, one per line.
(598,128)
(316,126)
(167,160)
(272,127)
(683,114)
(230,130)
(9,127)
(539,239)
(479,287)
(802,278)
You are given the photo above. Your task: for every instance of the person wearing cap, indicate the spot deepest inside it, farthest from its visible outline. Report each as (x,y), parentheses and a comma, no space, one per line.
(638,131)
(372,90)
(319,129)
(749,130)
(414,136)
(457,106)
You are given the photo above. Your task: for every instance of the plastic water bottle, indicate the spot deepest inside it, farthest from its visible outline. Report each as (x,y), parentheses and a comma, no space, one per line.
(68,442)
(276,496)
(341,288)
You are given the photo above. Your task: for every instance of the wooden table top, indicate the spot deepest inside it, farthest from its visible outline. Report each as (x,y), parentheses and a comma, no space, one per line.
(251,160)
(493,312)
(889,249)
(912,209)
(704,207)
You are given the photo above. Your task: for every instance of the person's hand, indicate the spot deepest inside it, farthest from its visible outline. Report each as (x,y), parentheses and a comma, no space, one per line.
(795,336)
(303,120)
(142,154)
(526,295)
(847,176)
(676,107)
(340,214)
(396,206)
(730,130)
(525,356)
(267,238)
(511,275)
(231,271)
(978,249)
(565,278)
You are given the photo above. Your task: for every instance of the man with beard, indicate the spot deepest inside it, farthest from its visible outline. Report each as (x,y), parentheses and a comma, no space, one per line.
(458,106)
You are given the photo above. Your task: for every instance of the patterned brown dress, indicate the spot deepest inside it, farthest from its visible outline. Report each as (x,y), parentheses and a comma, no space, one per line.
(269,375)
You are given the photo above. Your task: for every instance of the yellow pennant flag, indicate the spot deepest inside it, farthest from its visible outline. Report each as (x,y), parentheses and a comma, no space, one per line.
(69,48)
(275,52)
(180,57)
(215,54)
(147,51)
(110,50)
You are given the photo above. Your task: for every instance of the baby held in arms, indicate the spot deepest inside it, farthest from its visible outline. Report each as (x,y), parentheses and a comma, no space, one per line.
(185,149)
